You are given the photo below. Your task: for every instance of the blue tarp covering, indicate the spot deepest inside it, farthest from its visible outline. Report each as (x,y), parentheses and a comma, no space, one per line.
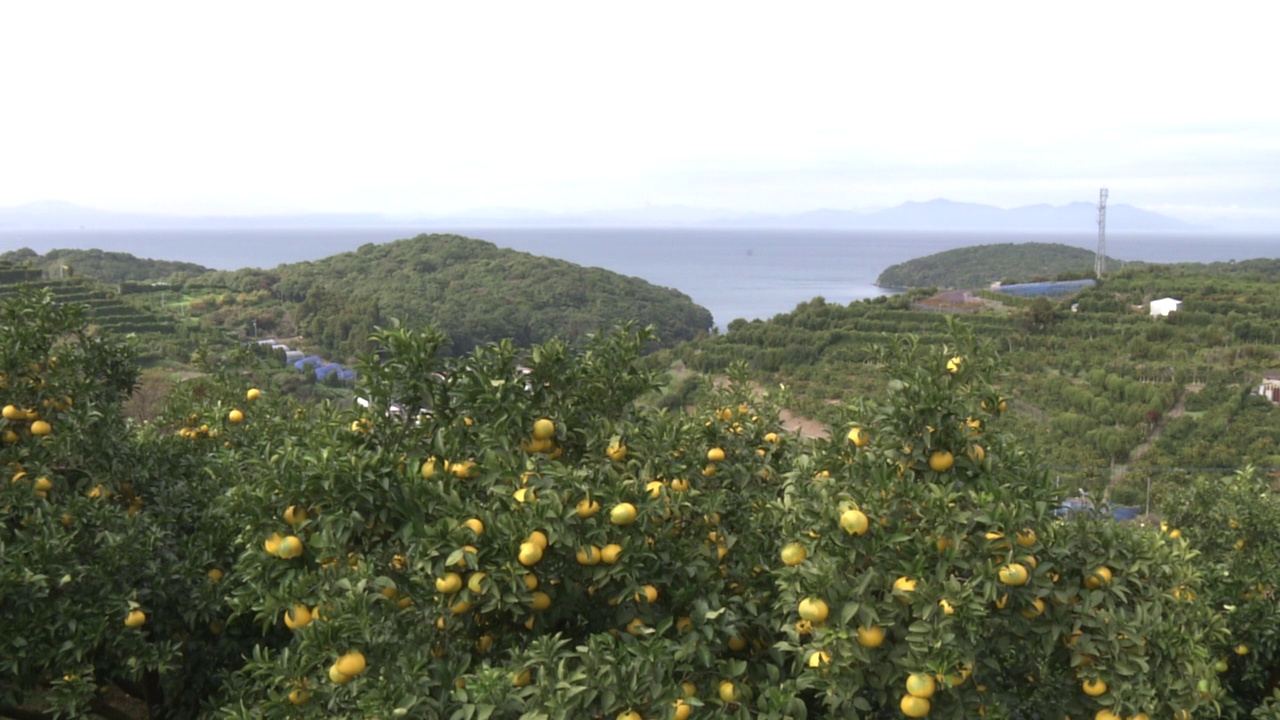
(347,375)
(1059,287)
(308,360)
(325,371)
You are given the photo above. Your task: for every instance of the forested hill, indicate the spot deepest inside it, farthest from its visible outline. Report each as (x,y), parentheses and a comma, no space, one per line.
(981,265)
(472,289)
(108,267)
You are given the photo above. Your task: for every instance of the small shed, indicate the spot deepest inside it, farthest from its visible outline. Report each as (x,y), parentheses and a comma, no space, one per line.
(1164,306)
(1270,388)
(292,356)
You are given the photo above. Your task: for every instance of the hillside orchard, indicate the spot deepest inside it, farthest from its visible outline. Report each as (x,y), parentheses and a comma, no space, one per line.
(523,537)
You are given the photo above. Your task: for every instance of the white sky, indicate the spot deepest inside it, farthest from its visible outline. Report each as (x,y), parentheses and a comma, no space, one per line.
(435,107)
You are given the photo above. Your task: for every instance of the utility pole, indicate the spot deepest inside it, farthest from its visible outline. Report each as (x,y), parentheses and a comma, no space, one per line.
(1100,257)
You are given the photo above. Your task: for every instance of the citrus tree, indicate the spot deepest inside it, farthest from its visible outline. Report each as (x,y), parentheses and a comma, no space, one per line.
(1234,524)
(519,533)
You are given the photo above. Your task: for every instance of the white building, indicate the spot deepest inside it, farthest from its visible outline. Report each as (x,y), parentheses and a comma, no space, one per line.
(1164,306)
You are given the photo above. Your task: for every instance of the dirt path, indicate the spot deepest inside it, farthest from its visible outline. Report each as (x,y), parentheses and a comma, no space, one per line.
(1178,410)
(791,422)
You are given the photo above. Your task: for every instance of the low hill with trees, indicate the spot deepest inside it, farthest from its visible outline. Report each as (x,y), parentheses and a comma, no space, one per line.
(109,267)
(981,265)
(473,290)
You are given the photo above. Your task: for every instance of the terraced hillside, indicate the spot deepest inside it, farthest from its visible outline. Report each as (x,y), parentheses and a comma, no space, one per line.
(106,308)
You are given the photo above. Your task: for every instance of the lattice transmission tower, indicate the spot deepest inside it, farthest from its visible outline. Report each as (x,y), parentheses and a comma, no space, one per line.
(1100,257)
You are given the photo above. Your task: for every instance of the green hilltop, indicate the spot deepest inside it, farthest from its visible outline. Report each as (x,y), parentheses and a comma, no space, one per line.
(981,265)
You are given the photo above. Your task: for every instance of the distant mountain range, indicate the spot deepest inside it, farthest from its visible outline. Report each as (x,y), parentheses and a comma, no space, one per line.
(932,215)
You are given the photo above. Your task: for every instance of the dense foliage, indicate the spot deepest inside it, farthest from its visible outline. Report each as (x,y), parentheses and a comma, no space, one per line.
(1089,389)
(473,290)
(980,265)
(110,267)
(511,534)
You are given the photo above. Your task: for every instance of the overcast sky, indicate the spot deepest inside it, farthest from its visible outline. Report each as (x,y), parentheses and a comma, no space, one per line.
(435,107)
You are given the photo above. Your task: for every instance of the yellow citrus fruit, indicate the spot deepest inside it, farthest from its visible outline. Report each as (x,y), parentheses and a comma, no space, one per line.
(1026,537)
(294,515)
(921,685)
(648,594)
(522,679)
(428,468)
(946,607)
(449,583)
(475,525)
(215,574)
(682,710)
(544,429)
(654,488)
(771,438)
(610,553)
(1035,611)
(297,617)
(524,495)
(680,485)
(135,619)
(530,554)
(953,365)
(271,544)
(235,417)
(858,437)
(1094,687)
(290,547)
(941,461)
(1242,649)
(622,514)
(715,455)
(1014,574)
(588,555)
(914,707)
(13,412)
(870,637)
(298,696)
(530,581)
(904,585)
(253,394)
(337,676)
(587,507)
(636,626)
(40,427)
(541,600)
(1098,578)
(854,522)
(728,692)
(475,583)
(814,610)
(617,453)
(794,554)
(629,715)
(539,538)
(819,659)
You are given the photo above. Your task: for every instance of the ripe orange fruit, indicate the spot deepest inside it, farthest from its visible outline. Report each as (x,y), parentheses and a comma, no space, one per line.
(921,685)
(338,677)
(539,538)
(544,429)
(294,515)
(870,637)
(253,394)
(298,696)
(1094,687)
(530,554)
(814,610)
(297,617)
(1014,574)
(135,619)
(819,659)
(854,522)
(588,555)
(622,514)
(40,427)
(1098,578)
(449,583)
(617,452)
(728,692)
(541,601)
(475,525)
(858,437)
(235,417)
(290,547)
(1026,537)
(214,574)
(610,553)
(682,710)
(587,507)
(941,461)
(793,554)
(914,707)
(715,455)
